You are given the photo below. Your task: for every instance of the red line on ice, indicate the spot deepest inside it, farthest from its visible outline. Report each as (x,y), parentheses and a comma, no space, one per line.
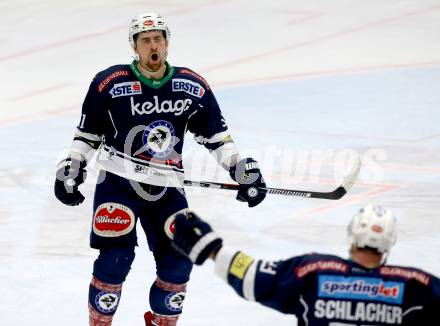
(40,91)
(320,39)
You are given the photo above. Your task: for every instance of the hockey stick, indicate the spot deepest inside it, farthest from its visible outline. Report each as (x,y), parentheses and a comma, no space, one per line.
(338,193)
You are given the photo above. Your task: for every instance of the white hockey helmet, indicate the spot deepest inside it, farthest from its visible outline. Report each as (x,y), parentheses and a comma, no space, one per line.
(373,227)
(147,22)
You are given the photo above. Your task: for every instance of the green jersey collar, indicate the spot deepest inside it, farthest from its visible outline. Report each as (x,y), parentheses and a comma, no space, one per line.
(153,83)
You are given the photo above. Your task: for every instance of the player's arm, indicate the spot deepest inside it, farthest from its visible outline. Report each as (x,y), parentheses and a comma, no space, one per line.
(271,283)
(210,130)
(71,171)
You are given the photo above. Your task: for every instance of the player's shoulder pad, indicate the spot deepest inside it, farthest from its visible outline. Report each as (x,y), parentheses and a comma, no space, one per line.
(185,72)
(190,81)
(312,256)
(315,262)
(105,77)
(407,273)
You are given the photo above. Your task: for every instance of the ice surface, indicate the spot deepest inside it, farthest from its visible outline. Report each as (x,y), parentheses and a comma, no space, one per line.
(301,84)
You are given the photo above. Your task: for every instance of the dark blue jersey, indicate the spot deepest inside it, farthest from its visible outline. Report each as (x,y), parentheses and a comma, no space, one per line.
(325,290)
(139,124)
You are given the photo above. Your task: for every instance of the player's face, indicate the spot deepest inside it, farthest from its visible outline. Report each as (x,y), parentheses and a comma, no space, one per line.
(152,49)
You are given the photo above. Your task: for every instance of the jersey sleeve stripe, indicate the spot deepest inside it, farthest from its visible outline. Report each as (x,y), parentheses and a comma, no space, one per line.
(249,282)
(223,262)
(217,138)
(88,136)
(93,144)
(226,155)
(81,147)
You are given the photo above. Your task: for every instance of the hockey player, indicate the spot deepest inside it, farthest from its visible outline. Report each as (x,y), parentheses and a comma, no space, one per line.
(135,116)
(325,290)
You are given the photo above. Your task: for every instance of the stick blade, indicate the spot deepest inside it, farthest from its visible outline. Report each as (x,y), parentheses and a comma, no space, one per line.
(352,176)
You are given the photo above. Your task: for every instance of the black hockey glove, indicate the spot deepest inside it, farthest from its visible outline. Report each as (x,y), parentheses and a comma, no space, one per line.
(70,174)
(247,174)
(195,238)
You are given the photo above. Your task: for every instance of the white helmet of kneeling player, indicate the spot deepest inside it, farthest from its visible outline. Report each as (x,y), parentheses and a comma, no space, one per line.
(145,23)
(373,227)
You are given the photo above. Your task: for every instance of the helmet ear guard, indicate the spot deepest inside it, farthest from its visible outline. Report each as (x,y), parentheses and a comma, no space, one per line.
(145,23)
(373,227)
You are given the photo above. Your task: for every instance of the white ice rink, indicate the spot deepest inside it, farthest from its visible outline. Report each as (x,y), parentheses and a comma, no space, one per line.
(301,84)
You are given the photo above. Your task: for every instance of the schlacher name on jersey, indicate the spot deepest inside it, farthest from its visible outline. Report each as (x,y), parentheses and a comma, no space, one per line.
(371,312)
(188,86)
(126,89)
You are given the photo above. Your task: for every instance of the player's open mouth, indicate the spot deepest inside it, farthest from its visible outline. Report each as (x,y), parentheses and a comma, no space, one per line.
(154,57)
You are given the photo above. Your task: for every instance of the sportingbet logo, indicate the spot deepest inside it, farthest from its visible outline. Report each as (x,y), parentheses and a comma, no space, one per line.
(126,89)
(188,86)
(360,288)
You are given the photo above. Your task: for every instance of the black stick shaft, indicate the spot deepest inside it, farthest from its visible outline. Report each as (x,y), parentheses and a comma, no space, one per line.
(338,193)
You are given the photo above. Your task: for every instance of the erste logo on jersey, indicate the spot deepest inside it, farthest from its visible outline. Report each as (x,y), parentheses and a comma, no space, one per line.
(188,86)
(158,138)
(126,89)
(360,288)
(113,220)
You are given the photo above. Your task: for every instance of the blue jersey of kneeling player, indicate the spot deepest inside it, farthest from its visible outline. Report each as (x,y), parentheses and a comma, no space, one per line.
(139,124)
(325,290)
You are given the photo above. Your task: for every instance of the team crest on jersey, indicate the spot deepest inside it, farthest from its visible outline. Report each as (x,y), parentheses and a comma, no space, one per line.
(126,89)
(188,86)
(113,220)
(158,138)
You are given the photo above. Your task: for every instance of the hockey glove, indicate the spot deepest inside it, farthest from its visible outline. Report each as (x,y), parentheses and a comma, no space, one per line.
(70,174)
(195,238)
(247,174)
